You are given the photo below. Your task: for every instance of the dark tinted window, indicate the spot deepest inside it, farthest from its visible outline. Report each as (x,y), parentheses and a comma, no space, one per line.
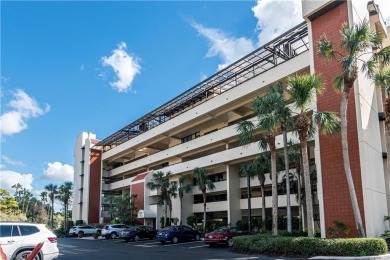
(5,231)
(186,228)
(28,230)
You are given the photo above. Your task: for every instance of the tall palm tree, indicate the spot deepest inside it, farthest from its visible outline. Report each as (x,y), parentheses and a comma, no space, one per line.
(286,124)
(172,193)
(296,158)
(303,89)
(204,184)
(248,170)
(355,42)
(269,125)
(52,190)
(160,182)
(182,189)
(65,193)
(382,80)
(261,167)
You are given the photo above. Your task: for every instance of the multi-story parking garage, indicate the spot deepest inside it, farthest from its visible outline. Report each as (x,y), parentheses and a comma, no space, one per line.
(199,129)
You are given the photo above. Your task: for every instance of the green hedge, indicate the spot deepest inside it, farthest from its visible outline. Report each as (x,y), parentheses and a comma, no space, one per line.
(304,246)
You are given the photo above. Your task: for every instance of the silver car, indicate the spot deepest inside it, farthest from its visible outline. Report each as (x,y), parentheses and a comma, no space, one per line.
(113,230)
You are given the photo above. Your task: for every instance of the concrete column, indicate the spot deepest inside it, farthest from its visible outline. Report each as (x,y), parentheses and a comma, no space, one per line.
(233,194)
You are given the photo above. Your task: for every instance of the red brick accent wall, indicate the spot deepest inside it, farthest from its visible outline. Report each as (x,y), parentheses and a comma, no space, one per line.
(140,200)
(94,186)
(337,203)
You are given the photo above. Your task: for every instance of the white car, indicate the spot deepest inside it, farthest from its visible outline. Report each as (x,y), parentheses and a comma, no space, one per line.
(18,239)
(83,229)
(113,230)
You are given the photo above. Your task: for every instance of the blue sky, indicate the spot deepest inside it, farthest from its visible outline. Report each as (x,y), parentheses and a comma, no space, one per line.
(68,67)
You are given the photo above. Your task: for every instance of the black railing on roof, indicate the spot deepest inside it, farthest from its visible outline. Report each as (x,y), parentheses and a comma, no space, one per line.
(270,55)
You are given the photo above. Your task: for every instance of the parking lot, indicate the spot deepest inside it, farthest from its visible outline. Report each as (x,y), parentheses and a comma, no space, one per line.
(89,248)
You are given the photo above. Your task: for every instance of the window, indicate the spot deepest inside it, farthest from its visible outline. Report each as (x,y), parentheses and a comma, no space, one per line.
(28,230)
(5,231)
(190,137)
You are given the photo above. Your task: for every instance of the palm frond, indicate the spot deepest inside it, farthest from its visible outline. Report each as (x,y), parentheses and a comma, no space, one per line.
(246,130)
(325,48)
(339,83)
(328,122)
(303,89)
(382,80)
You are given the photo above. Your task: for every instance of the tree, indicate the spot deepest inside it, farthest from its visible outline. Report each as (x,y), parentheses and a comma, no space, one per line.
(262,166)
(8,204)
(125,209)
(204,184)
(268,125)
(382,80)
(248,170)
(172,193)
(52,190)
(284,113)
(357,43)
(160,182)
(65,193)
(302,90)
(182,189)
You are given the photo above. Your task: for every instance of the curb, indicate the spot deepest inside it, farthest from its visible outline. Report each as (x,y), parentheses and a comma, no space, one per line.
(386,256)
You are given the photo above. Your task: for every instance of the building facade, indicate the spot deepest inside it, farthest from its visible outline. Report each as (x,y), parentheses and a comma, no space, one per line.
(199,129)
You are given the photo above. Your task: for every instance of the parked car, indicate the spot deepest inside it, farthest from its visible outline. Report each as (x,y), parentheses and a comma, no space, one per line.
(175,234)
(223,236)
(83,230)
(138,232)
(18,239)
(113,230)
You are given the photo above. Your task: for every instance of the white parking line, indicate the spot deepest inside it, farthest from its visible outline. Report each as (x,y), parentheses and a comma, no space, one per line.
(197,246)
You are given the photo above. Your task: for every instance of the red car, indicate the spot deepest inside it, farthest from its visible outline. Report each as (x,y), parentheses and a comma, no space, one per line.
(223,236)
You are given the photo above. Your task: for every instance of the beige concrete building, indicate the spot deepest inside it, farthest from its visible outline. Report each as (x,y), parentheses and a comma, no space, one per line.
(198,129)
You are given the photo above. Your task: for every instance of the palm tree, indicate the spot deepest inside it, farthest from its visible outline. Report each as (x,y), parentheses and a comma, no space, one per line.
(286,124)
(268,124)
(296,158)
(52,190)
(182,189)
(302,89)
(204,184)
(356,41)
(65,193)
(248,171)
(172,193)
(262,166)
(160,182)
(382,80)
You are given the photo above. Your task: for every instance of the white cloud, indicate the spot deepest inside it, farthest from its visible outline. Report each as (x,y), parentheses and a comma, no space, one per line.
(10,161)
(276,17)
(23,107)
(125,67)
(10,178)
(58,172)
(228,48)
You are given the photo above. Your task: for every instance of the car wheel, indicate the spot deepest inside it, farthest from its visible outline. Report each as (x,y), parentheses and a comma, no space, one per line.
(24,254)
(136,238)
(197,238)
(175,240)
(230,242)
(114,235)
(107,236)
(162,242)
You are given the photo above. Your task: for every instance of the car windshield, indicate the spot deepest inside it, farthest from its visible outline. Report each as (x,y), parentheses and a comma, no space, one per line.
(132,228)
(222,230)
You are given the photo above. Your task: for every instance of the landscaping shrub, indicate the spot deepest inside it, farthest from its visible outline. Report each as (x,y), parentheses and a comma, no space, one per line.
(304,246)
